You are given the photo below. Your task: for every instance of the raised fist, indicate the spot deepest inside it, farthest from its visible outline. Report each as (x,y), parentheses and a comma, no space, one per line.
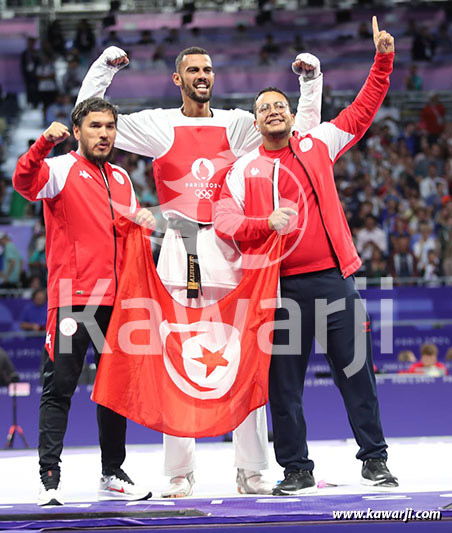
(306,65)
(56,133)
(114,57)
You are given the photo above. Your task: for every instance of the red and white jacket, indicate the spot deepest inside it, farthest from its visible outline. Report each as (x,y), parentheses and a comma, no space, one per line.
(80,204)
(247,199)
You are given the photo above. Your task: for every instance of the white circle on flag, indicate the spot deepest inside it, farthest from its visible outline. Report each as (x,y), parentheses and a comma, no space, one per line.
(118,177)
(68,326)
(210,358)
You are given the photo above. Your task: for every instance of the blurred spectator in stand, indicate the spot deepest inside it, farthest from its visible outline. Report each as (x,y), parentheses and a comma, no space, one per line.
(270,46)
(423,242)
(433,116)
(72,79)
(8,373)
(136,168)
(265,59)
(443,37)
(329,107)
(112,39)
(402,262)
(37,265)
(55,38)
(357,221)
(389,115)
(445,240)
(400,230)
(264,12)
(197,36)
(411,29)
(376,266)
(363,31)
(158,62)
(297,46)
(428,365)
(422,158)
(149,196)
(12,263)
(146,37)
(172,37)
(84,40)
(29,61)
(240,33)
(60,110)
(427,184)
(390,215)
(437,199)
(423,46)
(413,81)
(410,137)
(432,271)
(448,356)
(406,356)
(34,313)
(18,206)
(368,236)
(47,86)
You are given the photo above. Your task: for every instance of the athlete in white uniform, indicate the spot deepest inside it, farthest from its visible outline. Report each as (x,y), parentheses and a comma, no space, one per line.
(193,148)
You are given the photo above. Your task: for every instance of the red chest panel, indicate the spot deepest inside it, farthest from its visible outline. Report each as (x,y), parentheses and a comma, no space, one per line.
(190,175)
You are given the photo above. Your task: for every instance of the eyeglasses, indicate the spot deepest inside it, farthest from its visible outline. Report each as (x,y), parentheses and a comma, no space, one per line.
(279,107)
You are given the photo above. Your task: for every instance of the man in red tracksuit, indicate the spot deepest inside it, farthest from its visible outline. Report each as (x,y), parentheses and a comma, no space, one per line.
(83,194)
(287,184)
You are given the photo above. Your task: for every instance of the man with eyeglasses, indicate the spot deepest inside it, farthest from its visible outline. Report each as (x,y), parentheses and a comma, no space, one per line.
(193,148)
(287,185)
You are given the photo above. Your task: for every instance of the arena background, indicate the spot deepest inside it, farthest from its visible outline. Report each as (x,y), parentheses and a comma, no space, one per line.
(401,172)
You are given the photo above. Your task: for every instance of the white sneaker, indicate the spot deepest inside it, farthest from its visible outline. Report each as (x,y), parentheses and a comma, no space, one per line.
(252,482)
(119,486)
(50,496)
(180,486)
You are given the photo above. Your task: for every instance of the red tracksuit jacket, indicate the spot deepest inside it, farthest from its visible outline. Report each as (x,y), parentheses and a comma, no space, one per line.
(80,204)
(247,199)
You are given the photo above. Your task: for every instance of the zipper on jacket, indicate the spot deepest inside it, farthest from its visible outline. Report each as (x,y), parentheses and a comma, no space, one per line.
(320,211)
(113,218)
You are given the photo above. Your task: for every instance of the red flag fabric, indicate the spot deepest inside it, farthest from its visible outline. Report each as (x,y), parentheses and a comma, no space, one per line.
(188,372)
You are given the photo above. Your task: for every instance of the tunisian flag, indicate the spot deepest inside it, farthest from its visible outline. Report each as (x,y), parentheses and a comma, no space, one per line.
(184,371)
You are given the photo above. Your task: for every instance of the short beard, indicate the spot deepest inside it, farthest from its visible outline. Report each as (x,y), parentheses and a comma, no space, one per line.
(279,134)
(190,93)
(97,160)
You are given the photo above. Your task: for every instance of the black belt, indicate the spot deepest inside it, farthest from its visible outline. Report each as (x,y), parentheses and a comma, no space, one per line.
(189,233)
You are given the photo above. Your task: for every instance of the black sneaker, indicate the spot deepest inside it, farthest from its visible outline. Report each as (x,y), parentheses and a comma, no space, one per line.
(376,474)
(50,479)
(296,482)
(50,491)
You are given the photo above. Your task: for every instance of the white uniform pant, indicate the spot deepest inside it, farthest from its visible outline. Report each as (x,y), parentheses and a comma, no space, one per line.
(250,437)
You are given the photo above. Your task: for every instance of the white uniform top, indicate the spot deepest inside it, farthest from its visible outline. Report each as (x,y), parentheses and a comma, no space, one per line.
(152,133)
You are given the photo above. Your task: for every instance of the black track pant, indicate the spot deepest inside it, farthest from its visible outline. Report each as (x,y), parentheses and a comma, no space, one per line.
(60,379)
(288,371)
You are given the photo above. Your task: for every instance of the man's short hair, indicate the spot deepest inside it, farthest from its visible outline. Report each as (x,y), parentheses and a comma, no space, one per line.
(89,105)
(193,50)
(271,90)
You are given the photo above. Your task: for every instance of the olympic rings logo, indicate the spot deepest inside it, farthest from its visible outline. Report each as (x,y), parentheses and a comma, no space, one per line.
(204,194)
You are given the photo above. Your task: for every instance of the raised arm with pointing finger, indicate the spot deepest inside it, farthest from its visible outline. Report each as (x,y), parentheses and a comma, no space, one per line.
(318,263)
